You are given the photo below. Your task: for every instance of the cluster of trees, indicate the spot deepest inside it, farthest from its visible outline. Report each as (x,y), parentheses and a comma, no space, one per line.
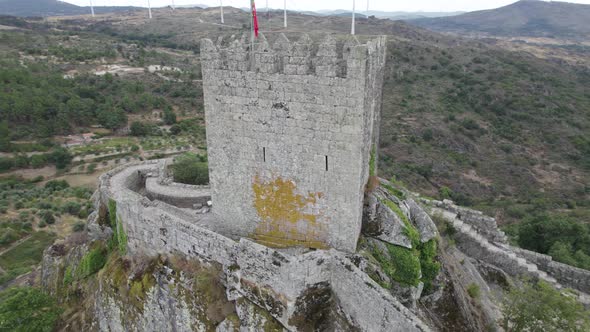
(28,309)
(565,240)
(39,102)
(59,157)
(540,307)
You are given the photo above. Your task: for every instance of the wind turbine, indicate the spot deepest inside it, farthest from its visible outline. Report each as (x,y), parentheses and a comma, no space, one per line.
(149,9)
(352,30)
(91,8)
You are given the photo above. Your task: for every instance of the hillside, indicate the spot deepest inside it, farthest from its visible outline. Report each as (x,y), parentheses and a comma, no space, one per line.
(497,130)
(44,8)
(504,131)
(523,18)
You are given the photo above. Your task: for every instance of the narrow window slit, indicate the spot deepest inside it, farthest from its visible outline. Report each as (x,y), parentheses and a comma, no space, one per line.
(264,154)
(326,163)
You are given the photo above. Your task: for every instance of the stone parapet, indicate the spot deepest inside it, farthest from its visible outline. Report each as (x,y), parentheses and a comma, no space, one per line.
(567,275)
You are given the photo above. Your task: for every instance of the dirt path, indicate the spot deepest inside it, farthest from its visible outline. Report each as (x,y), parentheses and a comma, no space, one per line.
(15,244)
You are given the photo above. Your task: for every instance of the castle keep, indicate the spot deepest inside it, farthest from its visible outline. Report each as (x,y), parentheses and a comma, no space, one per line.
(292,131)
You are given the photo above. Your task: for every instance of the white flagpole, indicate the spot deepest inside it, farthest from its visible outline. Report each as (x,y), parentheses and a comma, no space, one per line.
(285,14)
(91,8)
(367,8)
(149,9)
(267,16)
(221,9)
(173,6)
(352,32)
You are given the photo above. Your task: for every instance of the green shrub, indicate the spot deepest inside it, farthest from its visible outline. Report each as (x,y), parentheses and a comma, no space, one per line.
(372,162)
(121,238)
(68,276)
(92,261)
(71,207)
(91,168)
(79,227)
(394,191)
(429,266)
(473,290)
(190,169)
(8,236)
(445,192)
(38,160)
(61,158)
(400,264)
(47,217)
(427,135)
(56,185)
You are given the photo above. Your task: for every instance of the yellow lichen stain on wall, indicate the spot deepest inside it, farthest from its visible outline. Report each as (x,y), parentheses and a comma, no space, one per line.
(285,222)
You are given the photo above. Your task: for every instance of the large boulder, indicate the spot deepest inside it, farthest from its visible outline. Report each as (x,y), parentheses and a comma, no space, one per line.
(422,220)
(380,222)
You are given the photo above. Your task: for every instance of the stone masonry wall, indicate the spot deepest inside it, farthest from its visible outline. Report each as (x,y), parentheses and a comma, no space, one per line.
(567,275)
(290,129)
(266,277)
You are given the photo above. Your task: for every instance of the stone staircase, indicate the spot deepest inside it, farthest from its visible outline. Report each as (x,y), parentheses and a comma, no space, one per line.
(503,251)
(498,249)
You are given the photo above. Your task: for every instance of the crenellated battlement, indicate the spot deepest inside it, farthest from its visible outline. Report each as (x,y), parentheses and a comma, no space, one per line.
(328,58)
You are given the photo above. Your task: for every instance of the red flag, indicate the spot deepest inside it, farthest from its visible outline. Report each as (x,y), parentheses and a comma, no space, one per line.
(254,19)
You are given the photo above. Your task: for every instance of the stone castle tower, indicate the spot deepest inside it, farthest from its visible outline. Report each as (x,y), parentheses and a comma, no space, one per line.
(292,132)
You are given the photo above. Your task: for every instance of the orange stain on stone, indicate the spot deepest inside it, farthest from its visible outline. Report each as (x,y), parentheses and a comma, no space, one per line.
(284,220)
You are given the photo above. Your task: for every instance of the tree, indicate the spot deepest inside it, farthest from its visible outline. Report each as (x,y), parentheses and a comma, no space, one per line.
(169,116)
(175,129)
(540,307)
(61,158)
(139,129)
(112,118)
(4,137)
(47,217)
(190,169)
(27,309)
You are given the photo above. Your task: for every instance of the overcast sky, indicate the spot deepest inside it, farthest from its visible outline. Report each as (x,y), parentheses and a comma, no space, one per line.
(385,5)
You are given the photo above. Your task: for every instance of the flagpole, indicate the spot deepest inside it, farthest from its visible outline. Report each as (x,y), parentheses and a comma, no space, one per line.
(285,14)
(252,33)
(352,32)
(173,6)
(367,8)
(221,10)
(149,9)
(91,8)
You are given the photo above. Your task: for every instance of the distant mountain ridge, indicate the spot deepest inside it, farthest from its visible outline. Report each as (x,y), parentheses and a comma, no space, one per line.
(398,15)
(28,8)
(533,18)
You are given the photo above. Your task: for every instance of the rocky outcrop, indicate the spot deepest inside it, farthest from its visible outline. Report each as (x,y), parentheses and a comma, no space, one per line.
(382,223)
(422,220)
(297,291)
